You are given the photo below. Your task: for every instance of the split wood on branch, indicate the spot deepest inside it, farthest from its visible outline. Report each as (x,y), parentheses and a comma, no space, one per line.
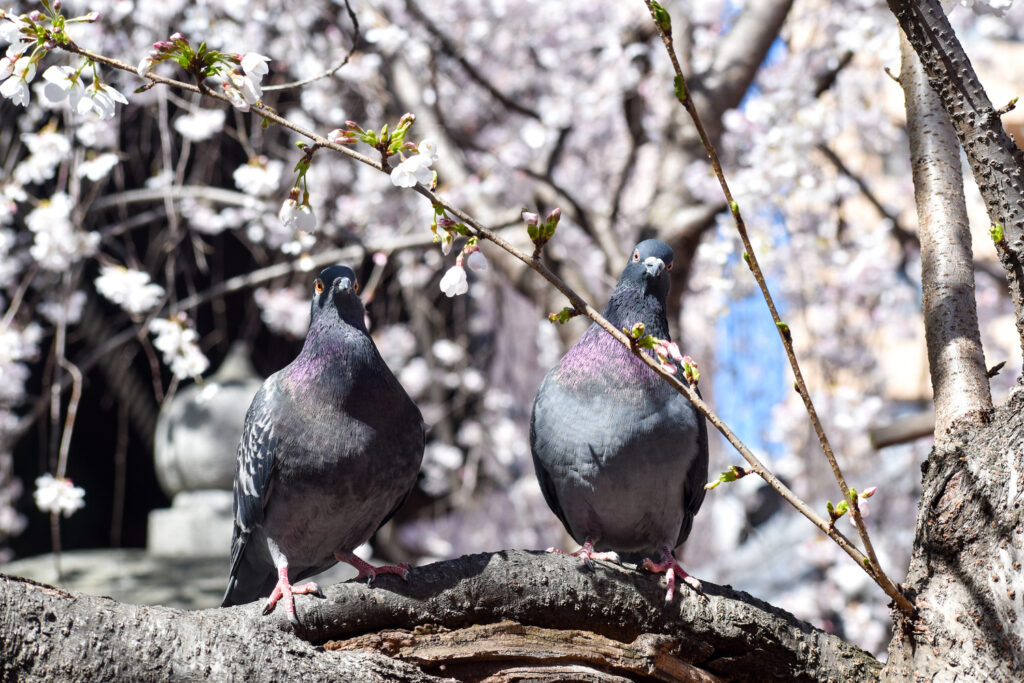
(723,633)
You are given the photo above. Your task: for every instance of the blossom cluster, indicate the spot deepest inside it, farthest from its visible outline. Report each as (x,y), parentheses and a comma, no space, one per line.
(177,340)
(130,289)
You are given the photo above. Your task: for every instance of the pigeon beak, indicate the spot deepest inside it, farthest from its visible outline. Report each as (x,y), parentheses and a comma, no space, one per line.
(343,285)
(654,266)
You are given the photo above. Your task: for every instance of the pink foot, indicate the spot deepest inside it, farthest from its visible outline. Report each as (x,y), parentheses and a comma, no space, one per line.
(368,570)
(285,590)
(588,554)
(670,567)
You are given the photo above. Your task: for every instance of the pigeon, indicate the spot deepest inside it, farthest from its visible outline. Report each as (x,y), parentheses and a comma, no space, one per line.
(330,448)
(621,457)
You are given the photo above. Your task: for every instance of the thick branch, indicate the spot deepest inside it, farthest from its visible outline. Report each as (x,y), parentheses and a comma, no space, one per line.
(44,631)
(997,163)
(739,56)
(955,358)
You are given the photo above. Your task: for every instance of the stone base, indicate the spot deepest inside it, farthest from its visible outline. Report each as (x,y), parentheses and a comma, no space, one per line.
(198,524)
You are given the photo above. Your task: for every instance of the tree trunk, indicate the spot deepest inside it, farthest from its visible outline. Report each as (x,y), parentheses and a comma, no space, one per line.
(545,617)
(997,163)
(957,364)
(965,574)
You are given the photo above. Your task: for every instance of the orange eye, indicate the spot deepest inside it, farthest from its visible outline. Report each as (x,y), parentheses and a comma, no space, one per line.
(636,256)
(318,286)
(355,287)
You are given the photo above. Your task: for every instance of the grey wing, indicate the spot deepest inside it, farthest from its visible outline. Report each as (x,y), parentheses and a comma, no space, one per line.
(547,486)
(419,445)
(254,464)
(693,489)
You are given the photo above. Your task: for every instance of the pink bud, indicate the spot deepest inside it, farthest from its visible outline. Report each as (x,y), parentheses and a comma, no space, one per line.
(92,16)
(868,492)
(176,37)
(530,218)
(35,15)
(555,214)
(446,223)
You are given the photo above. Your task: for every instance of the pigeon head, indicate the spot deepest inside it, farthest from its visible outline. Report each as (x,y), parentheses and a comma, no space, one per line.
(643,286)
(336,293)
(648,269)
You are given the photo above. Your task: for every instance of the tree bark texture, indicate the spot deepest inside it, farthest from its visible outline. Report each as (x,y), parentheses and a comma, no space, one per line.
(495,616)
(956,361)
(966,576)
(997,163)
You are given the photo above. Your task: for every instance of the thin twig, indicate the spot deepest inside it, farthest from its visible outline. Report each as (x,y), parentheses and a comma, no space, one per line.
(334,69)
(873,569)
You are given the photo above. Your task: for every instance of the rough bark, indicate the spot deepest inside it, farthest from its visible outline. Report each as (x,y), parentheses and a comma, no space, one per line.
(966,573)
(997,163)
(956,362)
(722,634)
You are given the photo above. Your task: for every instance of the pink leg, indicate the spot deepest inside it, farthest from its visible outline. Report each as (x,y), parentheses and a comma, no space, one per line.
(285,590)
(368,570)
(671,568)
(588,554)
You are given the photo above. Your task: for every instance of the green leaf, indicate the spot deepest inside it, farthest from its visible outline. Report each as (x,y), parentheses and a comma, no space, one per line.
(730,475)
(680,87)
(563,316)
(647,341)
(842,508)
(662,16)
(996,231)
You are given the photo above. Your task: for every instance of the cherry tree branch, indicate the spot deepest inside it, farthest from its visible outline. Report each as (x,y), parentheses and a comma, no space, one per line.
(477,229)
(871,564)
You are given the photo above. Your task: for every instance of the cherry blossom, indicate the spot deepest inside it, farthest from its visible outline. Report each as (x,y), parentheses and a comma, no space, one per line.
(177,340)
(260,177)
(58,496)
(476,261)
(285,310)
(15,87)
(200,124)
(65,83)
(417,168)
(102,98)
(455,281)
(98,167)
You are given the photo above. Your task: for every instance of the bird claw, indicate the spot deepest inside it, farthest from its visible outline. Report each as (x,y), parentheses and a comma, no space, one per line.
(285,591)
(368,571)
(588,554)
(671,569)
